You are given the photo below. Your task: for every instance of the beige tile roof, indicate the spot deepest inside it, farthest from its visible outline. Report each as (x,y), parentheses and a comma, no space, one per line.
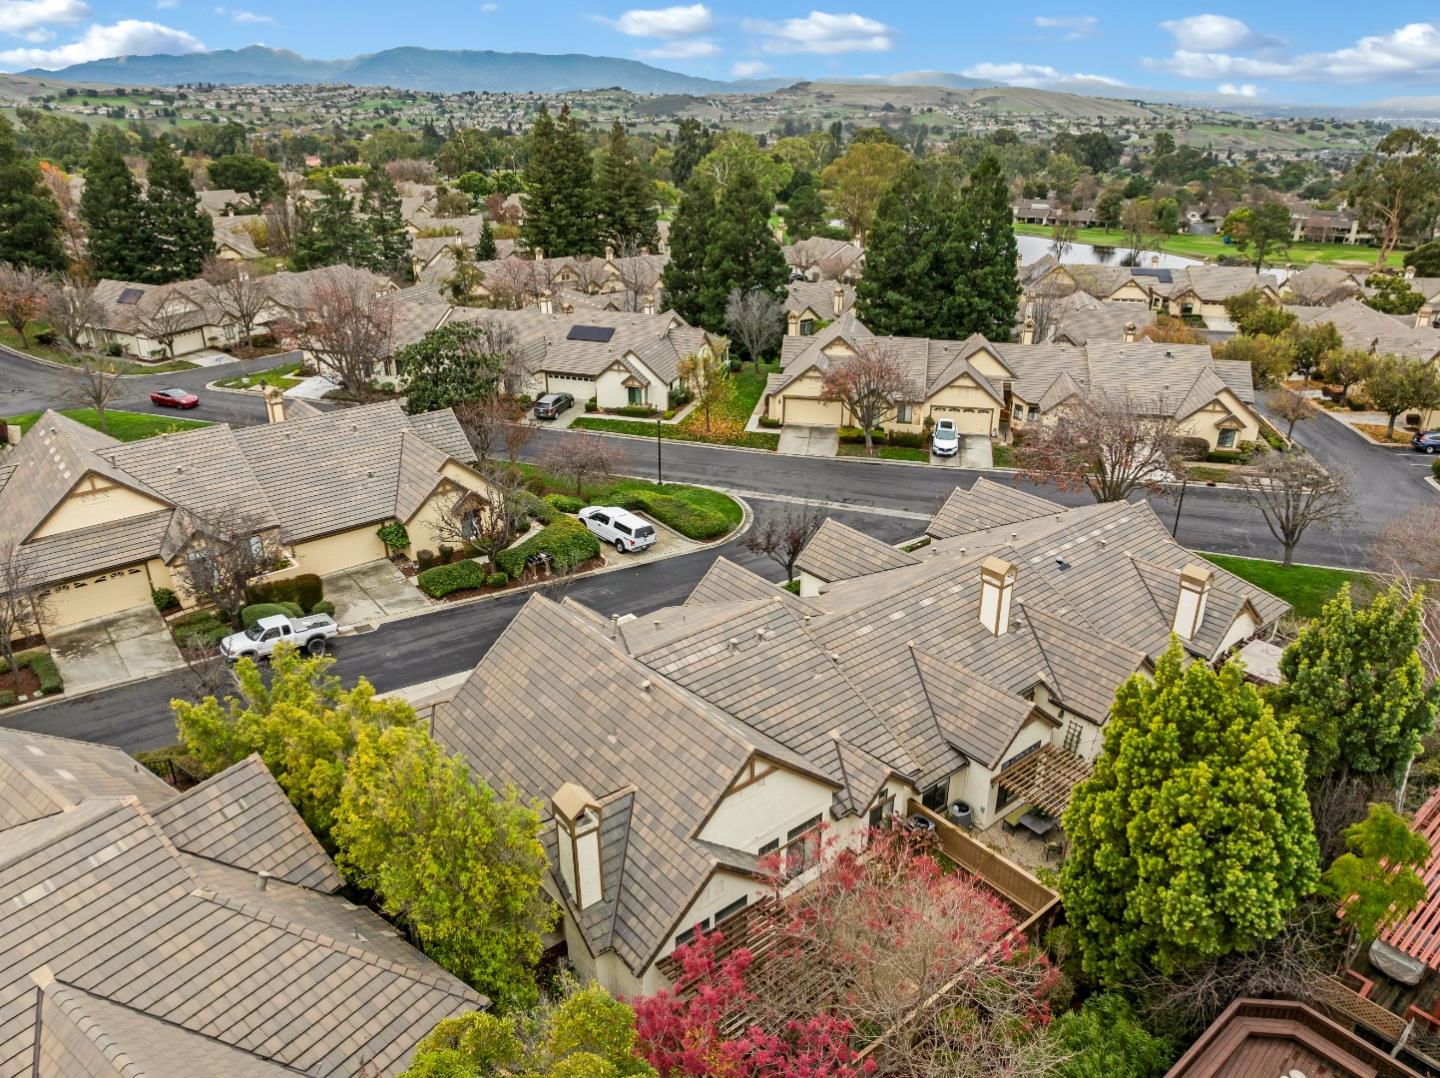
(141,298)
(818,296)
(1100,322)
(1214,284)
(726,582)
(839,552)
(978,718)
(206,471)
(242,817)
(1320,284)
(987,504)
(41,774)
(1370,330)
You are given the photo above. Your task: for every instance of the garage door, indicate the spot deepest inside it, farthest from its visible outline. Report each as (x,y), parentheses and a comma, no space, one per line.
(803,410)
(582,389)
(98,595)
(969,420)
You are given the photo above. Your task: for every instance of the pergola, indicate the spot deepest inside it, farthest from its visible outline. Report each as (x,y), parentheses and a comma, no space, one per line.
(1419,934)
(1045,778)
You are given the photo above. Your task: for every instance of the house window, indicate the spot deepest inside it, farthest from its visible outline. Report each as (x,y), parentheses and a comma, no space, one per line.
(882,811)
(770,847)
(807,326)
(1227,439)
(905,413)
(689,934)
(802,847)
(635,395)
(1019,411)
(732,909)
(934,798)
(257,547)
(1033,412)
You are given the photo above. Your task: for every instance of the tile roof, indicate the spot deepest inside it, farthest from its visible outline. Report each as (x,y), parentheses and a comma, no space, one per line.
(1369,330)
(839,552)
(818,296)
(41,775)
(726,582)
(121,309)
(987,504)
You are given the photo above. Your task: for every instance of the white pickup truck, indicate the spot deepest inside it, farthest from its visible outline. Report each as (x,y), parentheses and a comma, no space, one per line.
(258,642)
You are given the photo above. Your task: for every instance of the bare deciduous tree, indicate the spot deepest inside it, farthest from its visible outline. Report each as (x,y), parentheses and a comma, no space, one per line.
(1108,443)
(1047,300)
(513,282)
(71,225)
(24,602)
(488,424)
(580,459)
(345,319)
(1289,407)
(1293,493)
(489,523)
(236,294)
(870,384)
(756,319)
(22,297)
(164,315)
(94,385)
(781,536)
(281,219)
(71,308)
(229,550)
(411,170)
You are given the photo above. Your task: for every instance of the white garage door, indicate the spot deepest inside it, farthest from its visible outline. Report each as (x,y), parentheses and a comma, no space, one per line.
(582,389)
(969,420)
(98,595)
(803,410)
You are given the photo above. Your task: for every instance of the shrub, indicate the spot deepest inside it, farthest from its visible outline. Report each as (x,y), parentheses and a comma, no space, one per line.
(324,606)
(252,614)
(444,579)
(8,698)
(635,411)
(535,508)
(856,436)
(114,350)
(444,554)
(770,424)
(424,559)
(46,336)
(43,664)
(680,397)
(201,628)
(1192,448)
(304,591)
(909,439)
(393,535)
(591,405)
(496,580)
(565,503)
(691,521)
(535,484)
(566,542)
(1435,467)
(163,598)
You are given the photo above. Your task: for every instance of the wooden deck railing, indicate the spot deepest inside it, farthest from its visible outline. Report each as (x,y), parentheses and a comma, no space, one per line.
(995,869)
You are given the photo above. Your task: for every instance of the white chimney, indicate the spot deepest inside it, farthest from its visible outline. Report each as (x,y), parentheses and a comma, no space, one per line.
(839,299)
(1129,332)
(997,589)
(539,254)
(1190,604)
(547,302)
(1027,332)
(792,324)
(274,405)
(577,828)
(609,253)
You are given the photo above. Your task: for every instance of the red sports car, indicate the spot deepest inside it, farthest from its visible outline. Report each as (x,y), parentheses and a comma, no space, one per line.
(174,398)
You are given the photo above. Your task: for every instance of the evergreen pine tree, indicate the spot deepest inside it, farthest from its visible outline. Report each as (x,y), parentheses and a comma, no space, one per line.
(741,252)
(29,217)
(485,249)
(692,142)
(805,214)
(559,189)
(111,208)
(689,235)
(624,196)
(380,207)
(179,235)
(985,296)
(904,289)
(330,233)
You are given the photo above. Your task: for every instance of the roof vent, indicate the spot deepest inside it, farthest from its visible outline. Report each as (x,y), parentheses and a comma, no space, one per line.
(645,685)
(1169,355)
(734,643)
(1062,564)
(262,880)
(370,473)
(835,657)
(614,626)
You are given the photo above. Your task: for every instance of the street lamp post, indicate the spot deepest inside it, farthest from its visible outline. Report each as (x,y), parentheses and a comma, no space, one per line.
(659,455)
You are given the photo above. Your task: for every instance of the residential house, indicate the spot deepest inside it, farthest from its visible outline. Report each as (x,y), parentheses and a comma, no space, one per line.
(992,388)
(812,303)
(618,358)
(1109,284)
(675,750)
(153,932)
(1201,291)
(515,281)
(235,237)
(1364,328)
(1079,318)
(1039,211)
(1319,285)
(223,202)
(102,522)
(821,258)
(135,317)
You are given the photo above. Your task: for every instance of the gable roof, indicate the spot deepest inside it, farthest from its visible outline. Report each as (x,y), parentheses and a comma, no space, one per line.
(987,504)
(839,552)
(41,775)
(1361,326)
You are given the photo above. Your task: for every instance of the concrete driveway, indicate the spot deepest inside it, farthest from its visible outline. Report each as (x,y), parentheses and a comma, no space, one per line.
(801,441)
(976,451)
(134,643)
(370,593)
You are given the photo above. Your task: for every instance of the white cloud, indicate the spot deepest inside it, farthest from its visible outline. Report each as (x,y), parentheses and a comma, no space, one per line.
(1016,73)
(748,69)
(823,32)
(489,9)
(1075,26)
(1244,89)
(128,37)
(18,16)
(1215,33)
(665,21)
(250,17)
(1104,80)
(694,49)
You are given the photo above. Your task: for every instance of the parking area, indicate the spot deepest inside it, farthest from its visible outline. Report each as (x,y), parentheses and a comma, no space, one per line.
(370,593)
(131,644)
(667,542)
(803,441)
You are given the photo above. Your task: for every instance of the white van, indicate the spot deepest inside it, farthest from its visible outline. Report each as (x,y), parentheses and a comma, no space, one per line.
(620,528)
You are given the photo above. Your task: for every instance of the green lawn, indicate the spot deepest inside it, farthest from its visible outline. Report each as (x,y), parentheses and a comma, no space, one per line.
(11,339)
(1215,246)
(884,452)
(727,417)
(615,492)
(126,426)
(1305,587)
(282,377)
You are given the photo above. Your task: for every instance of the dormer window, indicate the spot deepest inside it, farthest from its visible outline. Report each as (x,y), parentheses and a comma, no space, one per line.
(577,831)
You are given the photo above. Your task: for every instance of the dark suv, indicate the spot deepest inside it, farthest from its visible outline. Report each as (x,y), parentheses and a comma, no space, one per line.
(1427,441)
(552,404)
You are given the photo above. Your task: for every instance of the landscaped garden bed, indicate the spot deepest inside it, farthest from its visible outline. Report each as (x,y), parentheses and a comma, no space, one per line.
(725,424)
(1376,432)
(35,675)
(285,376)
(695,512)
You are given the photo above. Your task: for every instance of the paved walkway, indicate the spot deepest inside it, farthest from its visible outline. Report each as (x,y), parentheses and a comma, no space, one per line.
(800,441)
(313,388)
(121,647)
(370,593)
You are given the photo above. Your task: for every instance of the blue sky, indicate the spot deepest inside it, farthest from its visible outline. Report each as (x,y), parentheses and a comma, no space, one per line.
(1317,52)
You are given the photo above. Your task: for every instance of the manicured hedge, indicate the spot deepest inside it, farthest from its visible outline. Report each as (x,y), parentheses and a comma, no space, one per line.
(305,590)
(568,543)
(201,627)
(535,507)
(457,576)
(252,614)
(46,672)
(324,606)
(496,580)
(691,521)
(565,503)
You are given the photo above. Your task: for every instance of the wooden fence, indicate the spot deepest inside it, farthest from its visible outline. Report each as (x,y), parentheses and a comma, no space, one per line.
(997,871)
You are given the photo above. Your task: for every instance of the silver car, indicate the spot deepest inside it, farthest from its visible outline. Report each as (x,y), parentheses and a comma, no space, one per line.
(945,441)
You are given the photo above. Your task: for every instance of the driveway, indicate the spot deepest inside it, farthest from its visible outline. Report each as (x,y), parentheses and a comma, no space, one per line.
(370,593)
(134,643)
(800,441)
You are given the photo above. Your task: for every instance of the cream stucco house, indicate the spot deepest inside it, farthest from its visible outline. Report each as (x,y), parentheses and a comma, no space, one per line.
(134,316)
(995,389)
(103,522)
(675,750)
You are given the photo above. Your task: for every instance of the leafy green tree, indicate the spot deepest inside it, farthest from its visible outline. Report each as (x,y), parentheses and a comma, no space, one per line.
(1395,383)
(1256,316)
(300,720)
(1192,837)
(1375,880)
(1103,1040)
(1312,344)
(624,196)
(1396,186)
(1393,294)
(856,181)
(380,208)
(178,233)
(29,216)
(735,154)
(906,284)
(692,143)
(804,214)
(985,287)
(684,274)
(485,249)
(61,140)
(1354,687)
(330,233)
(587,1034)
(740,252)
(1259,232)
(458,863)
(251,175)
(1109,205)
(112,210)
(458,363)
(1425,259)
(559,189)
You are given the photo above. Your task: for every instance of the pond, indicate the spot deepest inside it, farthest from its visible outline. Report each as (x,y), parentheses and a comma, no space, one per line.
(1034,247)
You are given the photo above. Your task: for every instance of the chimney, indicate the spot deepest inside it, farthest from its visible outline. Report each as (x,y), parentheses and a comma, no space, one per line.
(792,324)
(1129,333)
(609,253)
(1027,332)
(547,302)
(577,826)
(649,305)
(539,254)
(262,880)
(274,405)
(1190,604)
(839,299)
(997,588)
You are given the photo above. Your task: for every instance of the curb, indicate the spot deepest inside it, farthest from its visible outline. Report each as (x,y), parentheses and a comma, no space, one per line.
(1362,435)
(67,367)
(59,697)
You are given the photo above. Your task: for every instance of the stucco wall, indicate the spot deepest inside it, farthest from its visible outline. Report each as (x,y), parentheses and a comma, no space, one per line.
(95,501)
(343,550)
(766,810)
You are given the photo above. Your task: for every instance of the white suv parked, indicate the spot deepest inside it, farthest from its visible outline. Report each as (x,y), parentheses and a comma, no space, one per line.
(619,527)
(945,441)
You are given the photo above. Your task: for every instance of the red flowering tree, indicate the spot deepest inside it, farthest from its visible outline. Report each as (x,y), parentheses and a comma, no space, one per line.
(883,943)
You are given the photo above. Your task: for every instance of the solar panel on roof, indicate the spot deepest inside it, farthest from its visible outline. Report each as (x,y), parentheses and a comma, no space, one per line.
(1161,275)
(131,295)
(599,334)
